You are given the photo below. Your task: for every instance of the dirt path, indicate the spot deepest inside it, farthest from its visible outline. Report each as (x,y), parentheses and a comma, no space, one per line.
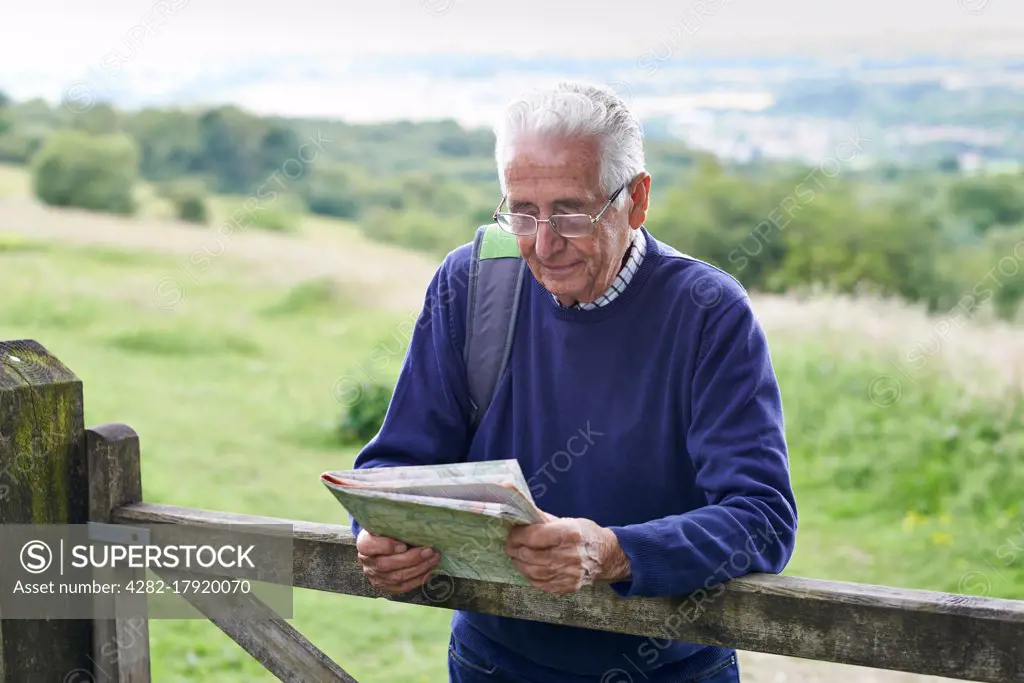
(396,279)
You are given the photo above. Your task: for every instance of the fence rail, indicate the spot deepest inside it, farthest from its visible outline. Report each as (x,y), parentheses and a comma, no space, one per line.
(956,636)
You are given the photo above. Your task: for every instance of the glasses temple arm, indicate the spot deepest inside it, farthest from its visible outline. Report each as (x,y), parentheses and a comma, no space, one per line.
(497,210)
(610,200)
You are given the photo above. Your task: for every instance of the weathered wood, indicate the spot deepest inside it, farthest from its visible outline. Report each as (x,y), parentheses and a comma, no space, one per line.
(42,481)
(271,640)
(120,645)
(942,634)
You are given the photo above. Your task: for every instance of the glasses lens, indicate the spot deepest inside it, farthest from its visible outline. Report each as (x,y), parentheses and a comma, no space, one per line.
(517,223)
(573,225)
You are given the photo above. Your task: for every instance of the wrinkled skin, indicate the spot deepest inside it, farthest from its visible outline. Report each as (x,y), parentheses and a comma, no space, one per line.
(547,176)
(392,567)
(562,555)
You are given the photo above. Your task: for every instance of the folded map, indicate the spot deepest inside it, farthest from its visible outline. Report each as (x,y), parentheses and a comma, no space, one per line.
(463,510)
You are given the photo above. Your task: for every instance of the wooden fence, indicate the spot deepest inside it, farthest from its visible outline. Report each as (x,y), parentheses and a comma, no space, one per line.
(58,472)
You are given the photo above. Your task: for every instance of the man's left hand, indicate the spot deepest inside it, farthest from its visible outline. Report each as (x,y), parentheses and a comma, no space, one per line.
(561,555)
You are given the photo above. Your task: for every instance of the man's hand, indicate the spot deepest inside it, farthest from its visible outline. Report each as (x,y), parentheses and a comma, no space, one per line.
(562,555)
(390,566)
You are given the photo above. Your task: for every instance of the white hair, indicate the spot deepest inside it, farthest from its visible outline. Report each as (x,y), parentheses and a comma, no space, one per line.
(570,110)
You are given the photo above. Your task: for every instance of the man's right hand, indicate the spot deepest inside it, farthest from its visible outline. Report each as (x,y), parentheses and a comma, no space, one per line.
(391,566)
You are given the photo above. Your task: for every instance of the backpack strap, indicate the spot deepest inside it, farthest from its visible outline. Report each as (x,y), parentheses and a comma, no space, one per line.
(495,281)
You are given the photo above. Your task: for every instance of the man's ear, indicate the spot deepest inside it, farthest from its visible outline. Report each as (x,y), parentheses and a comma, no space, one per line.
(640,197)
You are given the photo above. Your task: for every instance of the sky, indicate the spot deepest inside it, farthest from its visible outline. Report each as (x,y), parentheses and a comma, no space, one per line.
(50,47)
(66,34)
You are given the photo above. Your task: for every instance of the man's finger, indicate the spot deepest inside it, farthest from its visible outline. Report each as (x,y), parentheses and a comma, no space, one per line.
(542,535)
(405,579)
(402,576)
(410,558)
(371,544)
(368,561)
(413,583)
(527,554)
(535,572)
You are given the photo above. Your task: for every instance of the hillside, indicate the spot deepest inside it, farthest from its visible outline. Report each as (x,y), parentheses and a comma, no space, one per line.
(238,373)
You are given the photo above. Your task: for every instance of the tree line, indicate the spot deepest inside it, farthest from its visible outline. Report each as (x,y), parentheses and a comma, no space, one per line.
(929,235)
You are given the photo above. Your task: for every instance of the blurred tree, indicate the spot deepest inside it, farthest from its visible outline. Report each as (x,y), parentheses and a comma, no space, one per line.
(225,147)
(332,190)
(243,152)
(169,142)
(20,143)
(5,119)
(726,220)
(100,119)
(949,164)
(95,172)
(431,192)
(1006,270)
(989,201)
(279,144)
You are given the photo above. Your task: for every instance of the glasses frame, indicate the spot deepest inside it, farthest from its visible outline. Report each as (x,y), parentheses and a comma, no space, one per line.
(553,225)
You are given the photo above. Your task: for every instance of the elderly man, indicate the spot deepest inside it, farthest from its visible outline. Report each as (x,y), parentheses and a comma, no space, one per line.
(655,357)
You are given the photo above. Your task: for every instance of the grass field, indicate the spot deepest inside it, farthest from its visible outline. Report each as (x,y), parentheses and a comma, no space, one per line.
(231,392)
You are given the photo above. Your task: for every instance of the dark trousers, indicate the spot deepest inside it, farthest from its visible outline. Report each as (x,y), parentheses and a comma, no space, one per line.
(465,666)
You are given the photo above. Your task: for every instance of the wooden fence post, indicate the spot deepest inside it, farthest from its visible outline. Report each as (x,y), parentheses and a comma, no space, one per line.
(121,644)
(43,480)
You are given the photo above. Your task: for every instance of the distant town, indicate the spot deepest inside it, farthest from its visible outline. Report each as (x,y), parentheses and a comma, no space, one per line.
(916,110)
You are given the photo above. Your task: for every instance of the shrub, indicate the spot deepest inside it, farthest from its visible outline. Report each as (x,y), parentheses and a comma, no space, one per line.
(188,200)
(417,229)
(274,219)
(365,415)
(191,209)
(318,297)
(94,172)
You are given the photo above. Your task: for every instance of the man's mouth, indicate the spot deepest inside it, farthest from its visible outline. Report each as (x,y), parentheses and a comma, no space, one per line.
(558,270)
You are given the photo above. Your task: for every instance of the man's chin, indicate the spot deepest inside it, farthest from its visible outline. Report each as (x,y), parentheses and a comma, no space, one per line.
(562,293)
(558,287)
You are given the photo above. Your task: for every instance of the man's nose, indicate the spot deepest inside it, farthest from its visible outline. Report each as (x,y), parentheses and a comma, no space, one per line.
(549,242)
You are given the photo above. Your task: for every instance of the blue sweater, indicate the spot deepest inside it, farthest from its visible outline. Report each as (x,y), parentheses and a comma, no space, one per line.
(658,416)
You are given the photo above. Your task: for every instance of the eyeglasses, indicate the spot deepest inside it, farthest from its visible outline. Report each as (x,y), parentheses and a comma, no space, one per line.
(566,225)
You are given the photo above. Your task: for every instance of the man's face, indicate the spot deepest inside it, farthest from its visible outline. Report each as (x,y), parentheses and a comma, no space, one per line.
(547,176)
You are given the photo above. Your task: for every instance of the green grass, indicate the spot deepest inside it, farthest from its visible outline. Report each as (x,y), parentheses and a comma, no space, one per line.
(232,396)
(231,392)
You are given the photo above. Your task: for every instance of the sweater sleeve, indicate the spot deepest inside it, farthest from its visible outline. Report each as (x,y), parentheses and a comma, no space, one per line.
(737,444)
(427,419)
